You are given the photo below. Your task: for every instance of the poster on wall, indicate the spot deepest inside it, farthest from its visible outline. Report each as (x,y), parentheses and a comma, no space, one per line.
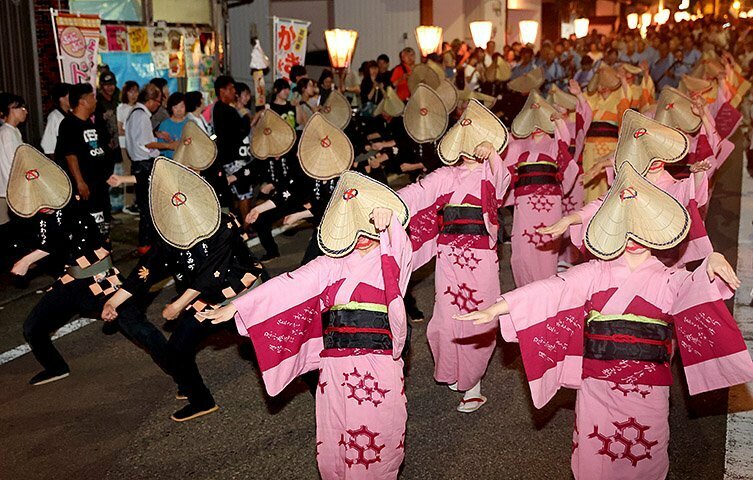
(138,40)
(290,37)
(77,44)
(117,38)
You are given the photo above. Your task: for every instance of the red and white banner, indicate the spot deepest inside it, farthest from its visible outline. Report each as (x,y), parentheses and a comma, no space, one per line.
(77,42)
(290,36)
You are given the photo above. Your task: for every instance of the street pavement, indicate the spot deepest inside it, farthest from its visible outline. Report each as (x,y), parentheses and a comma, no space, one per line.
(110,418)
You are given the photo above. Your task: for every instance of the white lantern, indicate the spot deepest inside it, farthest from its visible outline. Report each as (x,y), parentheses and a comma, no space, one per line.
(646,19)
(581,27)
(340,45)
(481,33)
(529,30)
(736,5)
(684,4)
(632,21)
(429,39)
(743,15)
(681,16)
(661,17)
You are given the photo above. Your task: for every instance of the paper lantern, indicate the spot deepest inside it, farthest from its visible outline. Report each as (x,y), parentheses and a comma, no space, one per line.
(661,17)
(743,15)
(646,19)
(429,39)
(581,27)
(681,16)
(340,45)
(481,33)
(736,5)
(684,5)
(632,21)
(529,30)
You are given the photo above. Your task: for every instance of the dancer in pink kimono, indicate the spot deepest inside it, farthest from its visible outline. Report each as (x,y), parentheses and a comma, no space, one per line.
(342,314)
(454,217)
(651,145)
(578,121)
(542,168)
(608,329)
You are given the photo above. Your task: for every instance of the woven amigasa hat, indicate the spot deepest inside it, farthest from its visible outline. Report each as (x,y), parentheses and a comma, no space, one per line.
(708,69)
(390,105)
(35,183)
(196,150)
(532,80)
(674,109)
(425,116)
(449,94)
(487,100)
(272,136)
(536,113)
(424,73)
(337,110)
(629,68)
(606,78)
(635,209)
(643,141)
(324,150)
(476,125)
(498,71)
(564,99)
(690,85)
(184,207)
(348,213)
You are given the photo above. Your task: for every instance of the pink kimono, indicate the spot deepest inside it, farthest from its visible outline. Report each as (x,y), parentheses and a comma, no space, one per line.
(696,245)
(704,145)
(446,203)
(610,332)
(541,172)
(573,199)
(360,403)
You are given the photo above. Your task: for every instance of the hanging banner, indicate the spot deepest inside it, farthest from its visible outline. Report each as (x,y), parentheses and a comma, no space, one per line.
(77,42)
(290,37)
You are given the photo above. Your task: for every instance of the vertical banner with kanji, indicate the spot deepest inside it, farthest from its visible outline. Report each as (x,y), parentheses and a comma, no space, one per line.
(290,37)
(77,43)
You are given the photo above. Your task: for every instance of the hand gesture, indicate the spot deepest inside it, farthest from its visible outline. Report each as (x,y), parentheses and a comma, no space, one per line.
(557,228)
(109,312)
(701,166)
(83,190)
(170,312)
(222,314)
(718,266)
(478,317)
(252,216)
(381,218)
(575,87)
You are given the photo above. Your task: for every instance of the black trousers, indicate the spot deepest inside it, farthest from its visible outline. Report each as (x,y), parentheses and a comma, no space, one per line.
(182,348)
(263,227)
(312,250)
(142,169)
(56,308)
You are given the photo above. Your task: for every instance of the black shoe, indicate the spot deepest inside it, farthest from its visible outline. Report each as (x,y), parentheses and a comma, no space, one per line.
(181,394)
(189,412)
(110,328)
(47,377)
(415,314)
(269,256)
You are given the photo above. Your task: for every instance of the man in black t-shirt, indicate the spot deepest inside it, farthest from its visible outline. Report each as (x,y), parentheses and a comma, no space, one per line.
(79,152)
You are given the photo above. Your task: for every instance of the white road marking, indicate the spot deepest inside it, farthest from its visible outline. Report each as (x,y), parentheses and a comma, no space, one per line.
(14,353)
(738,464)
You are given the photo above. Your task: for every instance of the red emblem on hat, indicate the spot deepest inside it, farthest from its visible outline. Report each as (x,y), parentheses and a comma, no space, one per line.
(639,133)
(424,111)
(350,194)
(32,174)
(628,193)
(465,122)
(267,131)
(187,141)
(326,142)
(178,199)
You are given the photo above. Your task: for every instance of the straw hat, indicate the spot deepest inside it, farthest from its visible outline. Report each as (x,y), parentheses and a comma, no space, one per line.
(184,207)
(532,80)
(424,73)
(476,125)
(643,141)
(324,150)
(337,110)
(564,99)
(691,85)
(449,94)
(606,78)
(708,68)
(498,71)
(390,105)
(536,113)
(348,213)
(35,182)
(674,109)
(630,68)
(635,209)
(196,150)
(272,136)
(487,100)
(425,117)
